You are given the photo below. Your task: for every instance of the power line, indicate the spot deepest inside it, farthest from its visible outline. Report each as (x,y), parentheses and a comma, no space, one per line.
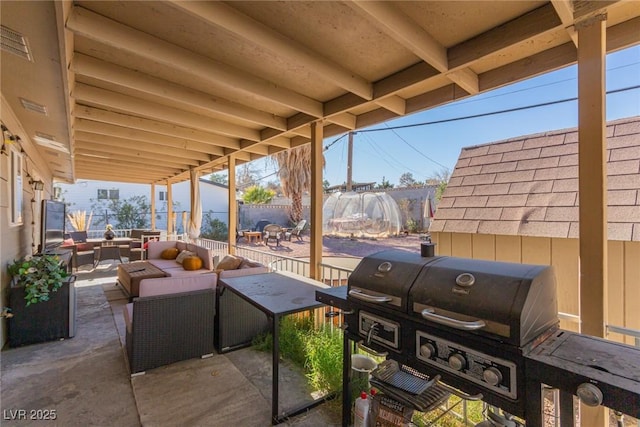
(416,150)
(480,99)
(493,113)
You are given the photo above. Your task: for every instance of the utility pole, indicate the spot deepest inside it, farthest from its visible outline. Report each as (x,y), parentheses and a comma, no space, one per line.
(350,162)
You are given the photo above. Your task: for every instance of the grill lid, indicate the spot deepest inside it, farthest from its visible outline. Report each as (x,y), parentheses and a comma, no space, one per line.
(384,279)
(516,302)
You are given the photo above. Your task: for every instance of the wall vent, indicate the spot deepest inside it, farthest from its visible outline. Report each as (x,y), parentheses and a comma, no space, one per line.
(14,42)
(32,106)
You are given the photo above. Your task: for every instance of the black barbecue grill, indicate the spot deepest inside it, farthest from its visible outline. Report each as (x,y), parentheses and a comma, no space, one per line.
(469,321)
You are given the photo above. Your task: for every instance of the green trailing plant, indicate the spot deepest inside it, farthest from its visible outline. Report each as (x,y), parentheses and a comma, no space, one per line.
(39,275)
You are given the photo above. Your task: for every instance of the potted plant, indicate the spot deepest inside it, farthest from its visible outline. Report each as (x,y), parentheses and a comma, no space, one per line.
(109,234)
(41,298)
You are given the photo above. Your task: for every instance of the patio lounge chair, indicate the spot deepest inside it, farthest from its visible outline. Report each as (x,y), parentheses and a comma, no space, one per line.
(296,231)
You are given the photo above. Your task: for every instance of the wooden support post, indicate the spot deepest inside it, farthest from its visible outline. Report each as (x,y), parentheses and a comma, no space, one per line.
(233,204)
(350,163)
(592,186)
(317,135)
(170,229)
(153,206)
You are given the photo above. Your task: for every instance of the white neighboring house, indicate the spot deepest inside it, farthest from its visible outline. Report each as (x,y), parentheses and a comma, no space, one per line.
(84,194)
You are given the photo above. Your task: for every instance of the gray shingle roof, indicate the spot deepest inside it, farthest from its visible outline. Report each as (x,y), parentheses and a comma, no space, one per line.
(529,186)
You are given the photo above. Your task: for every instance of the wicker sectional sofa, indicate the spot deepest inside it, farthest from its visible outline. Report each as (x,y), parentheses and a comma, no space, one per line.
(173,318)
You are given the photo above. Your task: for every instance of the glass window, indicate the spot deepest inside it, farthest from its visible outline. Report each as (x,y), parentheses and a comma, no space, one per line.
(16,187)
(114,194)
(103,194)
(163,195)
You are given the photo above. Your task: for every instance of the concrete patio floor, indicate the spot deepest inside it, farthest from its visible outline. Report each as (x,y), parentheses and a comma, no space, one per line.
(84,380)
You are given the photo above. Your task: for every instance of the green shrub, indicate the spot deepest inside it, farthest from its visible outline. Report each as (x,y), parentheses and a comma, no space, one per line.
(214,229)
(324,359)
(317,352)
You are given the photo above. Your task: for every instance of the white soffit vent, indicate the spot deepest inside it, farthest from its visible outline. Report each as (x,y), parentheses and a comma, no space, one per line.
(14,42)
(49,142)
(32,106)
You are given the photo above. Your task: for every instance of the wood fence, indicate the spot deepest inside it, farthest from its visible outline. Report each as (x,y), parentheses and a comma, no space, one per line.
(623,289)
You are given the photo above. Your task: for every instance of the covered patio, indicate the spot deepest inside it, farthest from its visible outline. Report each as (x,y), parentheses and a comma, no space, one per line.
(160,92)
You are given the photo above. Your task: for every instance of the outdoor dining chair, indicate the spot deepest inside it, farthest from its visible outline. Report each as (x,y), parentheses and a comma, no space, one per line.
(272,232)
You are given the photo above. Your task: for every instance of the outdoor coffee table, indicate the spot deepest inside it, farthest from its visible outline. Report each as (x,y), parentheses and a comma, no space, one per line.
(251,235)
(277,295)
(130,275)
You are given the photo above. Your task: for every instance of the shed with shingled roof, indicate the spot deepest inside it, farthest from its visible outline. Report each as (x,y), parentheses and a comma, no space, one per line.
(517,200)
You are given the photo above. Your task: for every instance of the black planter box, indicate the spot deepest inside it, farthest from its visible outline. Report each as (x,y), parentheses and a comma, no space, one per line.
(44,321)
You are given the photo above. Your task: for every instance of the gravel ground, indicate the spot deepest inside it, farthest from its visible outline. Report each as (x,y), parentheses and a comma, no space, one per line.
(336,246)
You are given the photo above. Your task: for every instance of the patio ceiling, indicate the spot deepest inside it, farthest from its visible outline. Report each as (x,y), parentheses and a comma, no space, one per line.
(143,91)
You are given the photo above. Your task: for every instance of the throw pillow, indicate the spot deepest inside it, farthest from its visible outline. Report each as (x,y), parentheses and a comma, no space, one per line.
(184,254)
(191,263)
(170,253)
(229,262)
(68,242)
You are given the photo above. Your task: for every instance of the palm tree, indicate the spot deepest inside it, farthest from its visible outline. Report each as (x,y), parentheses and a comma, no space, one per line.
(294,171)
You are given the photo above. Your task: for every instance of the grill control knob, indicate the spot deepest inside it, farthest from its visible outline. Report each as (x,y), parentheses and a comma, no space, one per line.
(457,362)
(589,394)
(492,376)
(427,350)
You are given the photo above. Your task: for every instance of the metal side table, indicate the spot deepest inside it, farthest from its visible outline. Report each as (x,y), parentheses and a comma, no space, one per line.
(277,295)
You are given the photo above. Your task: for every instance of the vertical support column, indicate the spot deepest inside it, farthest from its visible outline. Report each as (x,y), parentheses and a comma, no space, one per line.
(592,174)
(350,163)
(317,136)
(233,204)
(170,230)
(153,206)
(592,186)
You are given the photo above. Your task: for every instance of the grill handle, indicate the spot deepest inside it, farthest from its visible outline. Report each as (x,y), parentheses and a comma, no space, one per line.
(372,351)
(366,297)
(429,314)
(461,395)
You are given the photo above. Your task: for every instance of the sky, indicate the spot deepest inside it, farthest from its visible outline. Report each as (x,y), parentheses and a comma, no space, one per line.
(426,150)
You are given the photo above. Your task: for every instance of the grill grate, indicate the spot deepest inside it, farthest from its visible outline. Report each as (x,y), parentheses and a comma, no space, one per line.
(409,386)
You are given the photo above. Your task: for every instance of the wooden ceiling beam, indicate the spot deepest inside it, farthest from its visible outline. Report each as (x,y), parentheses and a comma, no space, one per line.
(411,35)
(91,174)
(523,28)
(136,80)
(110,152)
(346,120)
(113,100)
(141,152)
(154,126)
(619,36)
(191,148)
(564,9)
(126,144)
(393,103)
(126,166)
(225,16)
(392,21)
(95,27)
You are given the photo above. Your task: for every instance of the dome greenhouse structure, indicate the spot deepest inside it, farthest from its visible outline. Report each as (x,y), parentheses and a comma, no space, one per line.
(367,214)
